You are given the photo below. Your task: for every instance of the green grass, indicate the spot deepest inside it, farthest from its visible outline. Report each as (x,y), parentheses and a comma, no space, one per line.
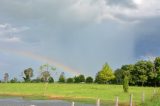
(153,102)
(81,92)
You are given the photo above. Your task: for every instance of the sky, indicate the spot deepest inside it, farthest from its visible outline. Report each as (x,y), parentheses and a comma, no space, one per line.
(76,36)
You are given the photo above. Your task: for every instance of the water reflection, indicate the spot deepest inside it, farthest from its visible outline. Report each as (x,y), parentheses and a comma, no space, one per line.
(22,102)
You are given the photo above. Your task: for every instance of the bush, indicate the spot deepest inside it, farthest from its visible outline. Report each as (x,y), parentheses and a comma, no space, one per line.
(125,84)
(76,79)
(14,80)
(42,79)
(70,80)
(36,80)
(79,79)
(89,80)
(51,80)
(62,78)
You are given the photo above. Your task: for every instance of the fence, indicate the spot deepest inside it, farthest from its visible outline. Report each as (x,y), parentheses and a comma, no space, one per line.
(130,100)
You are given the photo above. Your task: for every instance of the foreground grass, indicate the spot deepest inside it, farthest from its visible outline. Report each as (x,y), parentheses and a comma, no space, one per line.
(155,101)
(83,92)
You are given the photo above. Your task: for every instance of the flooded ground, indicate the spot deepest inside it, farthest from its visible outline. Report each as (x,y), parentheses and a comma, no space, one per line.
(22,102)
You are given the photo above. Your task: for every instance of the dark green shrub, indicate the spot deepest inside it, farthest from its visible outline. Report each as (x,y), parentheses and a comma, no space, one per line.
(14,80)
(125,84)
(42,79)
(38,80)
(70,80)
(51,80)
(89,80)
(79,79)
(76,79)
(61,78)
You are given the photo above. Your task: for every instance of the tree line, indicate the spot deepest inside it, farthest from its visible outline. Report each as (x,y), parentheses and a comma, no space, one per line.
(142,73)
(103,76)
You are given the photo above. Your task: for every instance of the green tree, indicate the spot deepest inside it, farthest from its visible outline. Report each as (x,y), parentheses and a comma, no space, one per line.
(142,70)
(81,78)
(14,80)
(70,80)
(37,80)
(62,78)
(156,71)
(104,75)
(118,76)
(46,69)
(28,74)
(127,70)
(89,80)
(45,75)
(125,84)
(76,79)
(51,80)
(143,79)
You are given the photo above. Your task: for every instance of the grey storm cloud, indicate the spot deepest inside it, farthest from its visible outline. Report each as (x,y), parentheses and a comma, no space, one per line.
(122,3)
(55,12)
(79,11)
(83,34)
(148,35)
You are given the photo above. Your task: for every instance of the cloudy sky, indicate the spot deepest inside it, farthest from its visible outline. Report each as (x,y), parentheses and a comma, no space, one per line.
(76,36)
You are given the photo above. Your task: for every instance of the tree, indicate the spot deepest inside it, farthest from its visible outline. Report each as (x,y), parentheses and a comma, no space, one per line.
(45,75)
(81,78)
(143,79)
(104,75)
(14,80)
(118,76)
(76,79)
(51,80)
(125,84)
(47,67)
(6,77)
(28,74)
(127,70)
(89,80)
(45,72)
(70,80)
(156,71)
(37,80)
(62,78)
(142,70)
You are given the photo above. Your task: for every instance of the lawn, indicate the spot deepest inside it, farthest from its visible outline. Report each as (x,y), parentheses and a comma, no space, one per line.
(85,92)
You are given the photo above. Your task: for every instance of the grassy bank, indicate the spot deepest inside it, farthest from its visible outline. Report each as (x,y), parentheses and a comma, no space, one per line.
(82,92)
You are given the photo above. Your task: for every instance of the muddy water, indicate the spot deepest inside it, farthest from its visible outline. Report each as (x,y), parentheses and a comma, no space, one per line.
(22,102)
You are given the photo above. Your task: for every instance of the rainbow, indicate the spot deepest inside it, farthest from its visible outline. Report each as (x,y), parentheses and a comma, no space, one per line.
(42,59)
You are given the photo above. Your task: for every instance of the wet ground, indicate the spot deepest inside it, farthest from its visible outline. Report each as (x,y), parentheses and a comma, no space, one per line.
(22,102)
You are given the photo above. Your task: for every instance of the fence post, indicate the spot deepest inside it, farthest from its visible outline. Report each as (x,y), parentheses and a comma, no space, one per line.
(72,103)
(98,102)
(154,92)
(116,103)
(131,100)
(143,97)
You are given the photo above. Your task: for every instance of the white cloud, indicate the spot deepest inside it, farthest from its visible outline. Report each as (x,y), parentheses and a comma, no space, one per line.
(148,58)
(12,39)
(8,33)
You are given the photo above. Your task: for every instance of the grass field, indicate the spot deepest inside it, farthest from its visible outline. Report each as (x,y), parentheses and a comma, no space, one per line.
(84,92)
